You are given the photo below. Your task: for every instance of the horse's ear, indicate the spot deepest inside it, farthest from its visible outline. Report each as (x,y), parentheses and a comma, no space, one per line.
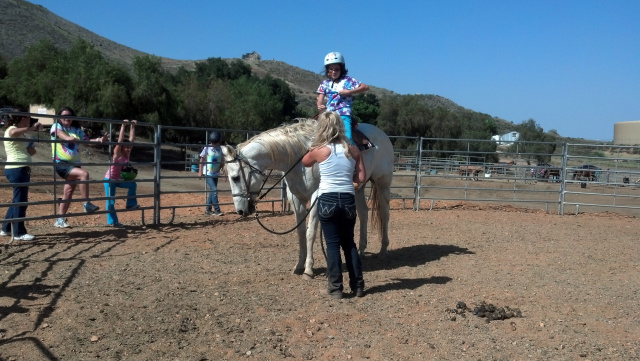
(229,152)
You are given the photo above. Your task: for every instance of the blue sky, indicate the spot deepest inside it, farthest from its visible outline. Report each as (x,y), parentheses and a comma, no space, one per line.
(572,66)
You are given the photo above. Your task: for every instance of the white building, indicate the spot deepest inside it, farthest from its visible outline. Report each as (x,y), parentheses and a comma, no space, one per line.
(41,109)
(506,139)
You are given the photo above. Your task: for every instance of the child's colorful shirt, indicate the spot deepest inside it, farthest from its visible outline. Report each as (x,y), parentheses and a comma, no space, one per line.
(213,160)
(335,102)
(64,151)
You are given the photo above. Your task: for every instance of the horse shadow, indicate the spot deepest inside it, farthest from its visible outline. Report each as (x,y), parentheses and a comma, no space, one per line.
(412,256)
(408,284)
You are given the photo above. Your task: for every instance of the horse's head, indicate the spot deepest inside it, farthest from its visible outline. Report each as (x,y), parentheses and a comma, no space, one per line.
(245,181)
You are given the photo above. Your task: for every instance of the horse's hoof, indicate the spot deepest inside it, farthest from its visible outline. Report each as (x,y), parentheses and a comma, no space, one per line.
(307,277)
(298,271)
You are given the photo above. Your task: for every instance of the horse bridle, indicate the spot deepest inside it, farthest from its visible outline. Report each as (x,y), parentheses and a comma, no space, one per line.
(253,169)
(247,194)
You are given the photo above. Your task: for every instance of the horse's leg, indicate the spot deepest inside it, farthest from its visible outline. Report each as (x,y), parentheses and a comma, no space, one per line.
(299,209)
(384,198)
(311,236)
(363,214)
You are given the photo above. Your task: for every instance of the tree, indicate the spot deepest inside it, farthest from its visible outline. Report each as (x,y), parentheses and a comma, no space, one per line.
(4,100)
(531,136)
(80,77)
(366,108)
(34,78)
(151,94)
(216,68)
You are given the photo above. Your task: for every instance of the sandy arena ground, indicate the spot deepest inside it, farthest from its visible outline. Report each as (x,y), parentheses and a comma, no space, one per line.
(221,288)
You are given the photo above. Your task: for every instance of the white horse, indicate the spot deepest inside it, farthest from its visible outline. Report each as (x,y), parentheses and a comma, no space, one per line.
(282,149)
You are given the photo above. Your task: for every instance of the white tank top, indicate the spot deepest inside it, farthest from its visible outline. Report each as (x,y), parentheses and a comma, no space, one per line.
(336,172)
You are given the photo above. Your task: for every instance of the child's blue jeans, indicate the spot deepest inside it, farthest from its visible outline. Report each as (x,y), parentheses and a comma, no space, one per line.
(110,190)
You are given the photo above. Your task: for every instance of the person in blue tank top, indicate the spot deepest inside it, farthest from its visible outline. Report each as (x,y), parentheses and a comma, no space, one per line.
(211,162)
(340,166)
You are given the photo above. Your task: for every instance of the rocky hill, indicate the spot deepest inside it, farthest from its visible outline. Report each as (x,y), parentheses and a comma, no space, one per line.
(24,24)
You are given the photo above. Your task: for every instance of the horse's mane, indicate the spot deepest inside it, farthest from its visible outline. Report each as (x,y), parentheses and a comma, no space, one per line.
(293,138)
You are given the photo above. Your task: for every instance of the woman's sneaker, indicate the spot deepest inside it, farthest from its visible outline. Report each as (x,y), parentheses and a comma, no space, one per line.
(61,223)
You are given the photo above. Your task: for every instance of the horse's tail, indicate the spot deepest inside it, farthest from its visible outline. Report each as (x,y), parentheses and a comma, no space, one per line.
(376,218)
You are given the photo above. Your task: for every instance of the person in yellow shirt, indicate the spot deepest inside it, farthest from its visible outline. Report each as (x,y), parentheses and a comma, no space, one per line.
(19,150)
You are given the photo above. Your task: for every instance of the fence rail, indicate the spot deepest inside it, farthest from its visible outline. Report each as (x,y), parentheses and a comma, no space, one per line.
(575,178)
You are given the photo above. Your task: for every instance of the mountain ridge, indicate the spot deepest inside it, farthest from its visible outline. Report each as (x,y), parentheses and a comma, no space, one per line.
(26,24)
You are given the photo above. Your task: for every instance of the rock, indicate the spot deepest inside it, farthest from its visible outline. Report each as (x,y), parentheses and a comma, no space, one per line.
(251,56)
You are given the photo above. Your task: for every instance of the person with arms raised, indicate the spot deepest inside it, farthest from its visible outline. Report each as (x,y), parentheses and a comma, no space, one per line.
(117,172)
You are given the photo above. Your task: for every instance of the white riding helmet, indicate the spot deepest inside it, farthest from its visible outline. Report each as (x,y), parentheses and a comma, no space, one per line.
(333,58)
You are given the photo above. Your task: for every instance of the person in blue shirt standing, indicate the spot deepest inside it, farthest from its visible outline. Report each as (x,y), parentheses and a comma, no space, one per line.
(211,162)
(339,89)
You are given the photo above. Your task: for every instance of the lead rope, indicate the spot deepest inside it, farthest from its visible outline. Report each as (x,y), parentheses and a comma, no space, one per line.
(268,190)
(292,229)
(324,252)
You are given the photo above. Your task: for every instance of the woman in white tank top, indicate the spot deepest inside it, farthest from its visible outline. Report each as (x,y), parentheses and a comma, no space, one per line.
(340,166)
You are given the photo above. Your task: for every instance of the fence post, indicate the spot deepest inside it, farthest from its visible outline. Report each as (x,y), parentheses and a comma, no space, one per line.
(157,173)
(418,182)
(563,180)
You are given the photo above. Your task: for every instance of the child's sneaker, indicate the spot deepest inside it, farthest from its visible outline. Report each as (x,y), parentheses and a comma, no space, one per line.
(3,233)
(218,213)
(61,223)
(90,207)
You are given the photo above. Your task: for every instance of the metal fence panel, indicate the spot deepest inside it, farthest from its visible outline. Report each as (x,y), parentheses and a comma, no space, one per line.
(572,178)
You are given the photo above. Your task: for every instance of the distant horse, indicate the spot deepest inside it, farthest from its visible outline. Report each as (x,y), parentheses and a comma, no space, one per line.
(281,149)
(470,171)
(585,174)
(501,167)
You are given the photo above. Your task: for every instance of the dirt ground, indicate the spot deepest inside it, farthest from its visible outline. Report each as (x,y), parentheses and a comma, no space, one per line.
(221,288)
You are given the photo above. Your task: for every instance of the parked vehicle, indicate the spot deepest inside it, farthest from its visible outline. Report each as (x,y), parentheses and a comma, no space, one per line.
(4,116)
